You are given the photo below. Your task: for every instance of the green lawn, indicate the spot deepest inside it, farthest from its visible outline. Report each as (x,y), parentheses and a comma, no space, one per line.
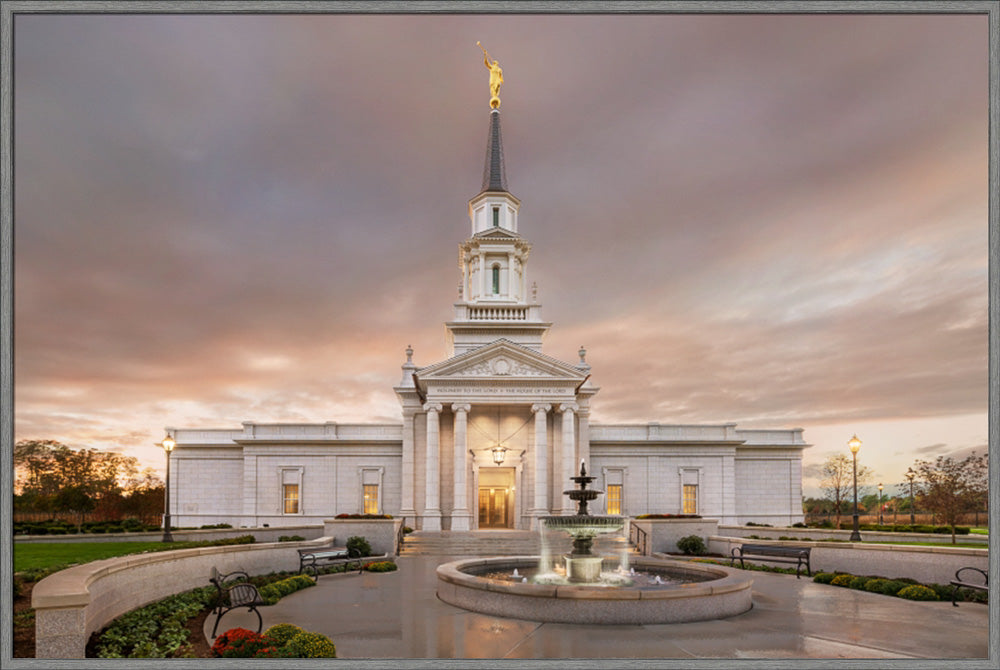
(34,555)
(970,545)
(979,531)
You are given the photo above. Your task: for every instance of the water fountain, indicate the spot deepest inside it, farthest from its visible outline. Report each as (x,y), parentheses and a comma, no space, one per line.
(592,589)
(582,565)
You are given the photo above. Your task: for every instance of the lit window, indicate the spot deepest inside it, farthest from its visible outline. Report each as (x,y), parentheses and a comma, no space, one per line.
(496,217)
(496,279)
(371,499)
(290,493)
(614,498)
(690,499)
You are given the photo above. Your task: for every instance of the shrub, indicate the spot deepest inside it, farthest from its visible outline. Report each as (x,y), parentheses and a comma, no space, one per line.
(291,538)
(893,586)
(906,580)
(381,566)
(669,516)
(363,516)
(759,525)
(312,645)
(131,525)
(842,580)
(283,632)
(859,582)
(824,577)
(407,530)
(275,591)
(875,585)
(210,526)
(692,544)
(240,643)
(799,524)
(358,546)
(917,592)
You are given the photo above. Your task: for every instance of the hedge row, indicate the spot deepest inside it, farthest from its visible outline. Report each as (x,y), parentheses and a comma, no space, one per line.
(901,587)
(907,528)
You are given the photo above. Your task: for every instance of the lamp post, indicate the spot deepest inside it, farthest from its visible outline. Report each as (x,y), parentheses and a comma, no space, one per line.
(880,503)
(168,445)
(854,444)
(910,474)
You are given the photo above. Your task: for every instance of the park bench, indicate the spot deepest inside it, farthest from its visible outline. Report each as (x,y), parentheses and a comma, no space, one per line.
(773,553)
(959,582)
(234,594)
(310,559)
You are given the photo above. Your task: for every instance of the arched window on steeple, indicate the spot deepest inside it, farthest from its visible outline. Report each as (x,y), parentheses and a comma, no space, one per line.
(496,280)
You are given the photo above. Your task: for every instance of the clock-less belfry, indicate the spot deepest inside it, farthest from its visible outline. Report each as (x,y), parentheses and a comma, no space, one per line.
(496,77)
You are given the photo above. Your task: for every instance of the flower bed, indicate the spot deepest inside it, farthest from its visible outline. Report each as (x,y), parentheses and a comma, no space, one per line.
(280,641)
(900,587)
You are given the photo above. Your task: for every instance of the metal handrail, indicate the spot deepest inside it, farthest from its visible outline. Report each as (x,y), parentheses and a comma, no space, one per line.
(400,535)
(638,538)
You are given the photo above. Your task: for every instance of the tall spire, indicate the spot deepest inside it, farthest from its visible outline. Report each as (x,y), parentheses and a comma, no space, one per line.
(494,173)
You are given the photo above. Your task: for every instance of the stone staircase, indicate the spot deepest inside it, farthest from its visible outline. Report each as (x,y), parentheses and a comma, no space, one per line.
(482,543)
(473,543)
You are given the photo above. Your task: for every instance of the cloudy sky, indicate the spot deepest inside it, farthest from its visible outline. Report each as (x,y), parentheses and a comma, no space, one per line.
(779,221)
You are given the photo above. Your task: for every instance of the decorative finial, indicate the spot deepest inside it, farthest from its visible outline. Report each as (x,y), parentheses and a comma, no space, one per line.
(496,77)
(583,355)
(583,468)
(409,354)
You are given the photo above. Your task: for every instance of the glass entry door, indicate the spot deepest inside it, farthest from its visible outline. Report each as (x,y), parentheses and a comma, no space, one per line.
(493,507)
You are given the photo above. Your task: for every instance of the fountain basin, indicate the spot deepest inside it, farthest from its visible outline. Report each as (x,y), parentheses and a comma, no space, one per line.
(726,593)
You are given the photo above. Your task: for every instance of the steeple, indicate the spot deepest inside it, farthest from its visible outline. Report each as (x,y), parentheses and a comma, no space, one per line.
(494,300)
(494,172)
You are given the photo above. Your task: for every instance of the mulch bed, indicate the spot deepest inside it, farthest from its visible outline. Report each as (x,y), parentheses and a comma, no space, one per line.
(24,636)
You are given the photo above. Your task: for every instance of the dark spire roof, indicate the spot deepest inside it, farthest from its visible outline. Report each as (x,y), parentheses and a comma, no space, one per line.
(494,174)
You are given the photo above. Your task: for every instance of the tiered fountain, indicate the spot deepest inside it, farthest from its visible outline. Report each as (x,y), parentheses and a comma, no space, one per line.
(589,588)
(582,565)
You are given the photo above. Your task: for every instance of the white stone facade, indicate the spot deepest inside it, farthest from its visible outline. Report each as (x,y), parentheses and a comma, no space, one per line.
(490,436)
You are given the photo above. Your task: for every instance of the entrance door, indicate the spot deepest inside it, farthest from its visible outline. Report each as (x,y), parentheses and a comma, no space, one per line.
(493,507)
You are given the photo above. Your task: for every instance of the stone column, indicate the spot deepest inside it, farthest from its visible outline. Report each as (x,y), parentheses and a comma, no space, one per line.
(432,505)
(482,275)
(541,462)
(570,466)
(461,519)
(406,476)
(510,275)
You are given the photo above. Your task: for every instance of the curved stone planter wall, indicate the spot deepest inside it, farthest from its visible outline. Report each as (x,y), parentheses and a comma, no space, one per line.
(260,534)
(727,595)
(925,564)
(73,603)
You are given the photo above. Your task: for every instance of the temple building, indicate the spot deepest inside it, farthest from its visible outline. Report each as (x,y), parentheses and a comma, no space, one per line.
(490,436)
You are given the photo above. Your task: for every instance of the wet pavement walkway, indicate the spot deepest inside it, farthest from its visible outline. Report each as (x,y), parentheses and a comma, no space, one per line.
(398,615)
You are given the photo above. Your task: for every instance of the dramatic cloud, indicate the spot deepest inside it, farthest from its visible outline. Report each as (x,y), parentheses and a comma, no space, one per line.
(778,220)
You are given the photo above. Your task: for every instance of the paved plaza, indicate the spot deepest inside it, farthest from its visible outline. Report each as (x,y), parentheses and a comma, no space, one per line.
(398,615)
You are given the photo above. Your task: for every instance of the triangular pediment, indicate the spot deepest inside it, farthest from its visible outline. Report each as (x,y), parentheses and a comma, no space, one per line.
(496,234)
(502,359)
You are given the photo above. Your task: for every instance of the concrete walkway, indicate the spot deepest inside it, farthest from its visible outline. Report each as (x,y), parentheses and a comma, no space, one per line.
(398,615)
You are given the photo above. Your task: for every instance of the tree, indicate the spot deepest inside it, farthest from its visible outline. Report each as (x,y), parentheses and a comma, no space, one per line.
(950,488)
(838,481)
(52,477)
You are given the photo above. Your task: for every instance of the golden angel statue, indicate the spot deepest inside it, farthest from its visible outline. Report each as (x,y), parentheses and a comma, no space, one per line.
(496,77)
